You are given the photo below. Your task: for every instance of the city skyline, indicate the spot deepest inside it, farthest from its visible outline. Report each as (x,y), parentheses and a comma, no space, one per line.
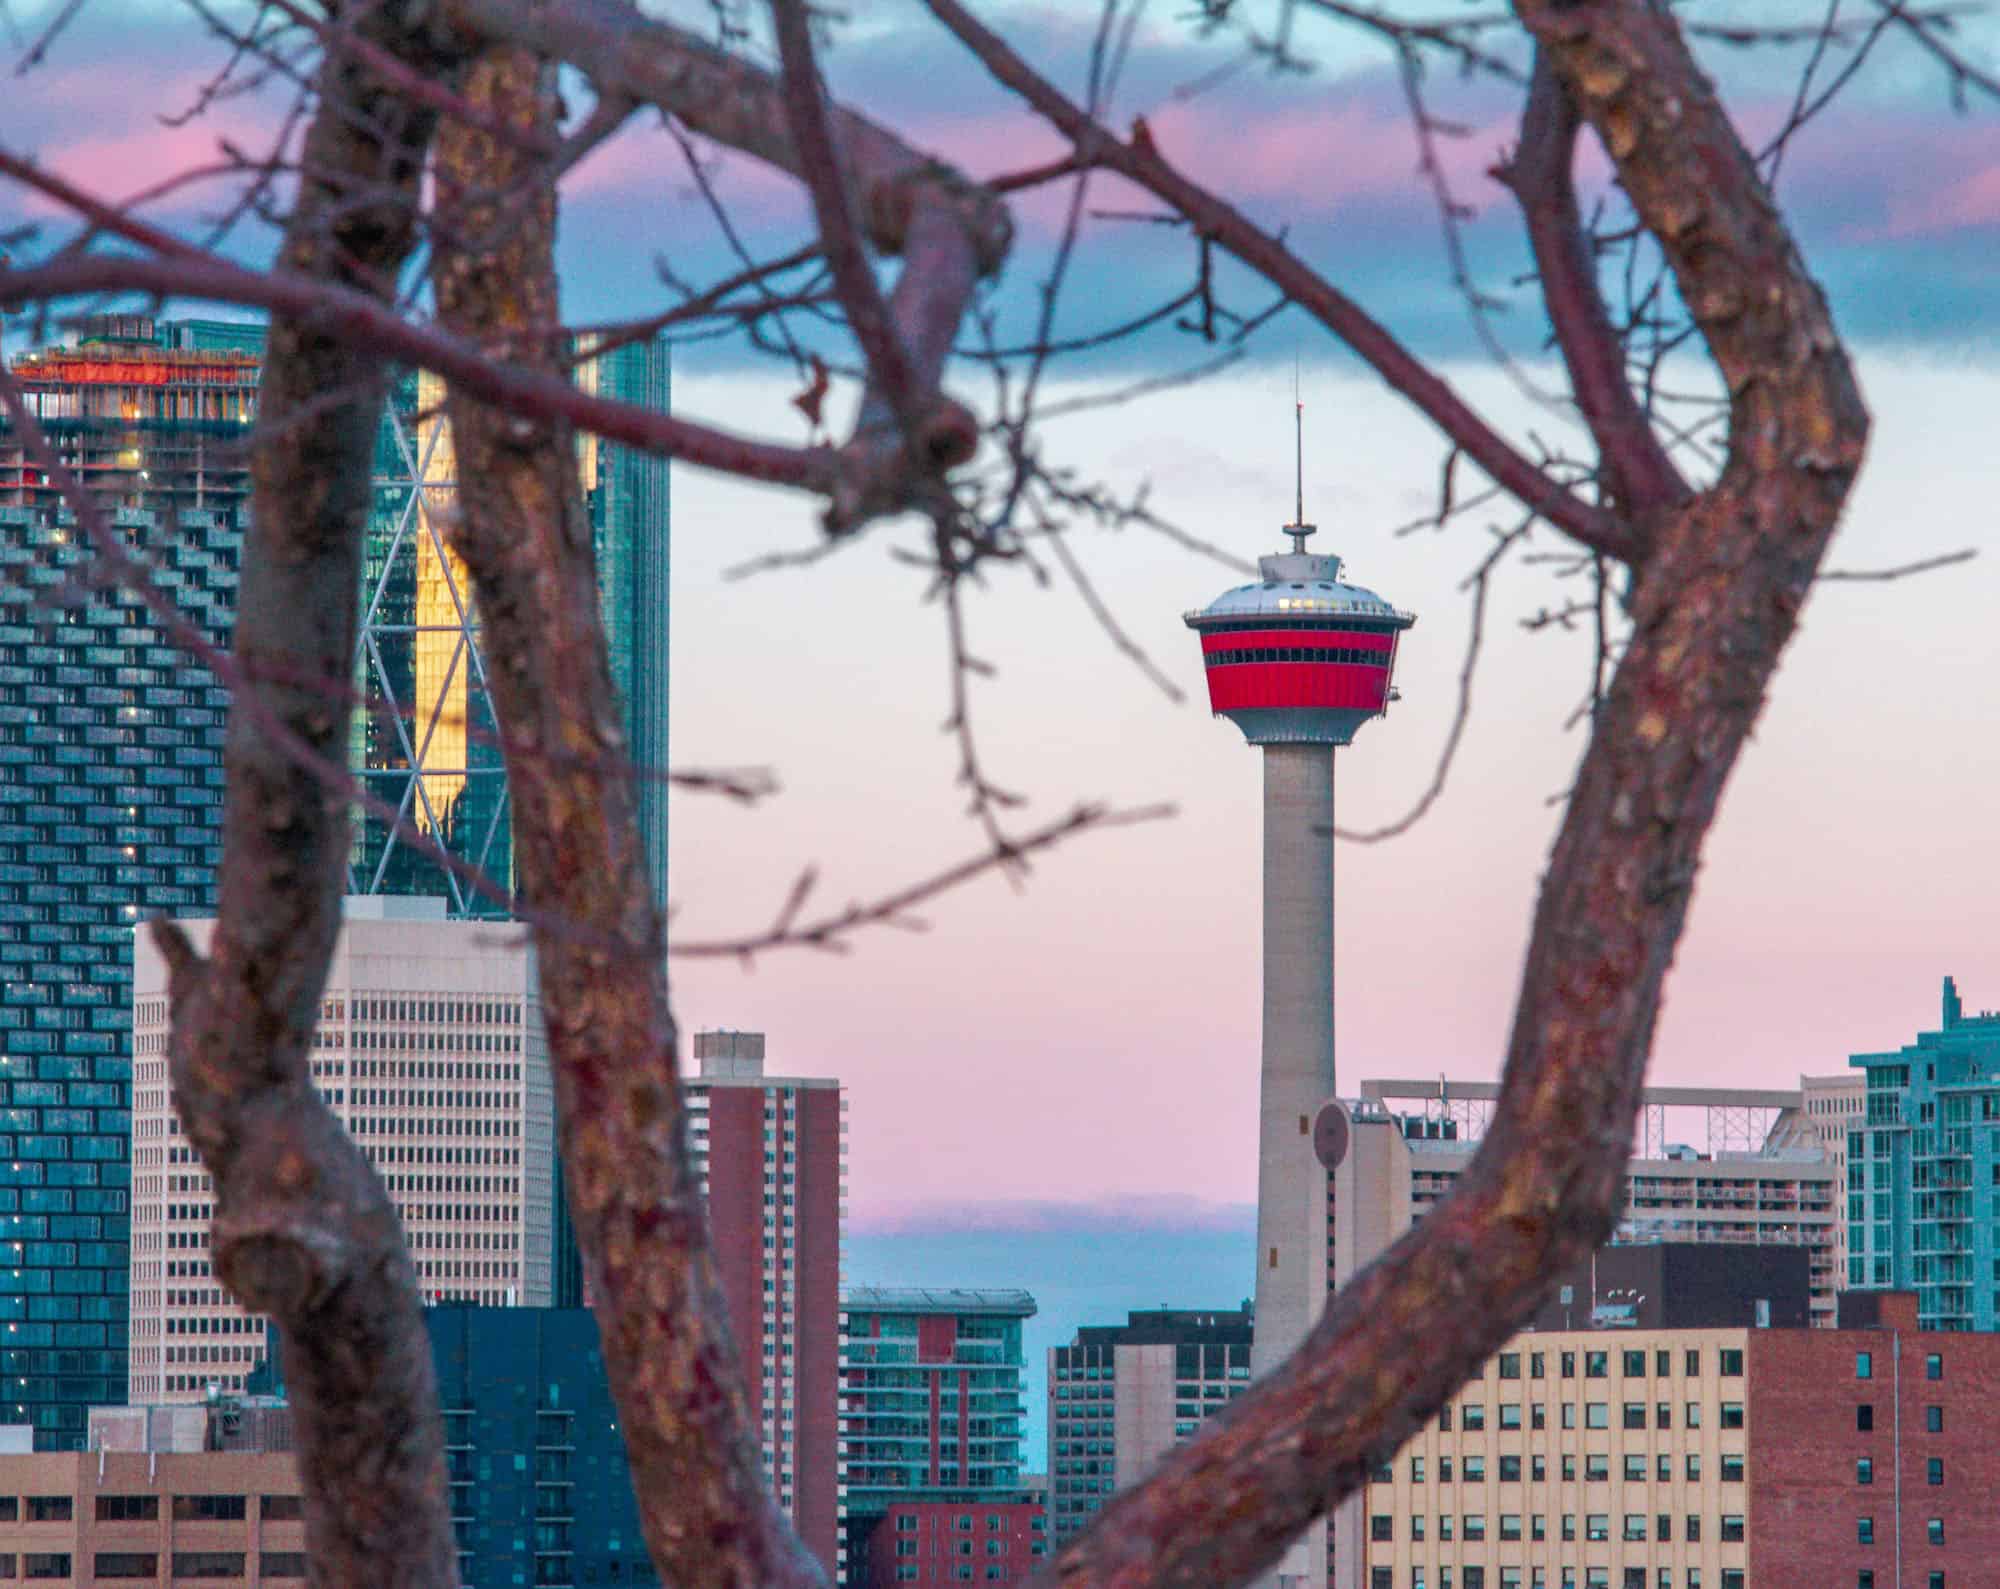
(1839,886)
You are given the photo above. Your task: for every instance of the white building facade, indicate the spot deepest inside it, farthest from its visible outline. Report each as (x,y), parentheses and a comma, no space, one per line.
(430,1051)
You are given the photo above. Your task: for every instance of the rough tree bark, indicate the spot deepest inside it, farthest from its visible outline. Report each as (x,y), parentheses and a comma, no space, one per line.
(708,1515)
(303,1229)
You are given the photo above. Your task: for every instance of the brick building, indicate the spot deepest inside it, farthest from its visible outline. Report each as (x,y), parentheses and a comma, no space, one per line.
(1615,1445)
(165,1495)
(953,1542)
(770,1152)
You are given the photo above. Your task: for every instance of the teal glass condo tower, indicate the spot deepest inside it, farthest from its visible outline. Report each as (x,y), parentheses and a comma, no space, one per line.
(1923,1172)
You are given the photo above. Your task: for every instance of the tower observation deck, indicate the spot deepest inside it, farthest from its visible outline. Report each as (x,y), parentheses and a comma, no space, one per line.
(1299,660)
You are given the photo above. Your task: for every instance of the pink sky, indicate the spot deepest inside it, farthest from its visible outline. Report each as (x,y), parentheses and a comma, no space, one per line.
(1095,1034)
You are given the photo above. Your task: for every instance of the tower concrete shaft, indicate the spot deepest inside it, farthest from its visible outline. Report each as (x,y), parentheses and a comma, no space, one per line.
(1296,1079)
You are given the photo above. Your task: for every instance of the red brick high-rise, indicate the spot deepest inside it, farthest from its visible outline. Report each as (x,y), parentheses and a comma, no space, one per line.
(770,1151)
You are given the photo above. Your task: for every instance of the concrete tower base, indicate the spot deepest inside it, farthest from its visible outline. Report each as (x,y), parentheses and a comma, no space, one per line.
(1297,1078)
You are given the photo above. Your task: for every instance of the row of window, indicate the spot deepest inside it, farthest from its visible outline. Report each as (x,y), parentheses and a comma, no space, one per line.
(146,1508)
(1373,659)
(1596,1467)
(1475,1577)
(1631,1364)
(1513,1526)
(1471,1416)
(54,1565)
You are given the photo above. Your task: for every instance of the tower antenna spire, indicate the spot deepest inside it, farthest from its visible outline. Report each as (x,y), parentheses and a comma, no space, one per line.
(1298,529)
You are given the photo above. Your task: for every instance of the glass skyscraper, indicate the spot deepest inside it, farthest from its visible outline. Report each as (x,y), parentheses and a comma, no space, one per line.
(427,745)
(111,777)
(110,809)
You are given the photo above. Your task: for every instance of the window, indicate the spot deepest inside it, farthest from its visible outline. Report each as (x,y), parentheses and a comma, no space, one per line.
(1694,1464)
(1510,1415)
(1663,1416)
(1634,1415)
(1416,1470)
(1934,1530)
(1472,1416)
(1691,1417)
(1510,1470)
(1381,1578)
(1732,1416)
(1864,1530)
(1692,1533)
(1663,1527)
(127,1564)
(1475,1468)
(1597,1467)
(1597,1526)
(283,1563)
(1864,1416)
(1933,1365)
(1510,1365)
(1934,1470)
(1597,1415)
(1474,1525)
(208,1509)
(45,1564)
(1538,1416)
(1732,1529)
(1381,1527)
(126,1509)
(1568,1365)
(1569,1526)
(1691,1361)
(290,1508)
(1864,1365)
(1510,1525)
(1535,1364)
(1596,1364)
(1635,1526)
(1732,1578)
(1865,1579)
(1731,1367)
(1634,1365)
(1864,1470)
(1568,1468)
(50,1508)
(1934,1420)
(1635,1466)
(1569,1415)
(1937,1578)
(1732,1467)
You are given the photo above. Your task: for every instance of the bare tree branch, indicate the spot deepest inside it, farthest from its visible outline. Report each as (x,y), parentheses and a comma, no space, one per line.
(634,1197)
(303,1229)
(1141,162)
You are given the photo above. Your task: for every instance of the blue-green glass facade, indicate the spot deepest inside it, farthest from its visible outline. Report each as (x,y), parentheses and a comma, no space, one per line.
(1923,1172)
(110,809)
(541,1492)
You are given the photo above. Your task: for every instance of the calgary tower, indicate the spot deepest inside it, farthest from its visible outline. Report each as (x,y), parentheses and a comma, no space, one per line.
(1298,661)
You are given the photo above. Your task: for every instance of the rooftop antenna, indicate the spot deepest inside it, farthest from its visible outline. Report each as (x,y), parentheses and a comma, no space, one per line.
(1298,529)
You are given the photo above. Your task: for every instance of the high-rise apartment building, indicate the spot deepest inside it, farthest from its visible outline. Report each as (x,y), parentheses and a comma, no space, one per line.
(931,1414)
(431,1052)
(1760,1171)
(1123,1395)
(110,807)
(1922,1168)
(770,1152)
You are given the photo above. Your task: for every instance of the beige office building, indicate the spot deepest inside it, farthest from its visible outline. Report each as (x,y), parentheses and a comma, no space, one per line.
(1575,1460)
(430,1050)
